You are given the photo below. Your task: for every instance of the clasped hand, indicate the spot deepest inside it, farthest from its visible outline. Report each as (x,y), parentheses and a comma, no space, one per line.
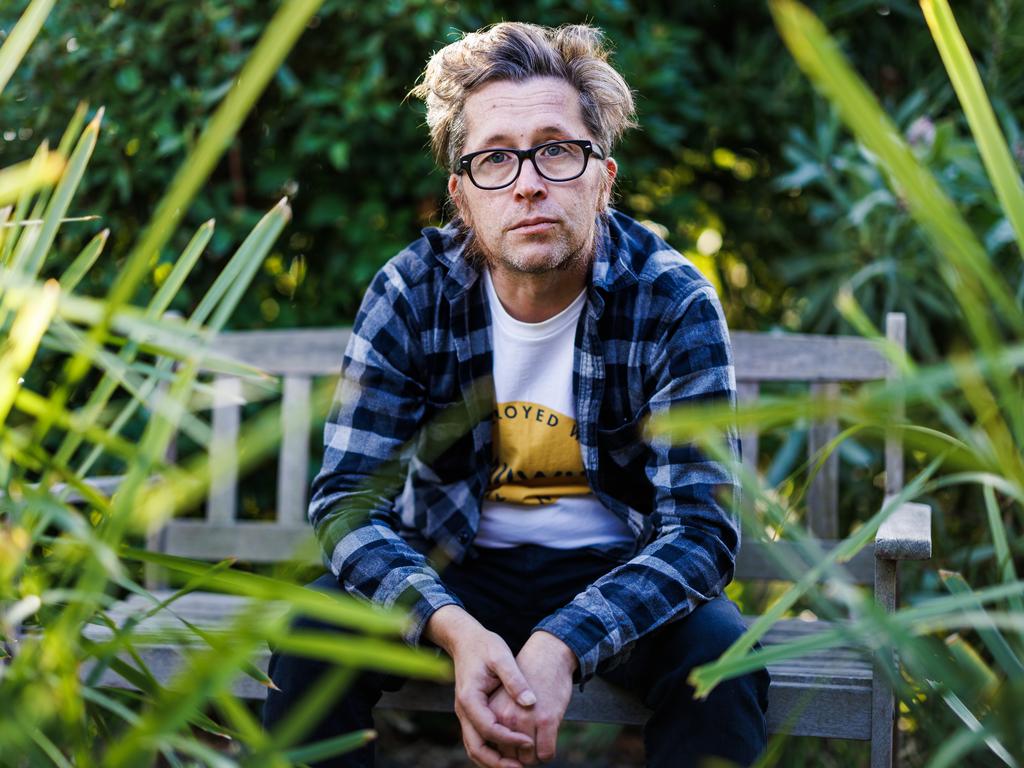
(547,664)
(509,708)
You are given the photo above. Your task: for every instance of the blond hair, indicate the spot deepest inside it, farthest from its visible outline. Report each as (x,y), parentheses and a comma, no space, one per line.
(517,51)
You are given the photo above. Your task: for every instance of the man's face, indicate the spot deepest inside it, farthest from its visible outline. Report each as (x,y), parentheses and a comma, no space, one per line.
(534,225)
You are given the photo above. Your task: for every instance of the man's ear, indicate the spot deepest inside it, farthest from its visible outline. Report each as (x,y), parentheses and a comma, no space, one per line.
(455,195)
(611,171)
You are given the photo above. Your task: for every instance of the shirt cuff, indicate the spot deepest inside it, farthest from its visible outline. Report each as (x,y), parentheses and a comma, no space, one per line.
(424,604)
(584,633)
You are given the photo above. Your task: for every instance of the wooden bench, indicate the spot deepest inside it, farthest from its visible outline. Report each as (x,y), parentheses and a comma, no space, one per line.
(837,693)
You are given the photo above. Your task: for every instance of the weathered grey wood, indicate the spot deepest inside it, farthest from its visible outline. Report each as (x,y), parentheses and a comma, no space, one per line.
(758,560)
(293,457)
(758,356)
(227,418)
(257,542)
(747,392)
(895,332)
(823,493)
(906,534)
(105,485)
(294,352)
(802,357)
(830,693)
(883,703)
(821,694)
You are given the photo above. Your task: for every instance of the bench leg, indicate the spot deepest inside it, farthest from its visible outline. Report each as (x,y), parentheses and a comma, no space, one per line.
(883,701)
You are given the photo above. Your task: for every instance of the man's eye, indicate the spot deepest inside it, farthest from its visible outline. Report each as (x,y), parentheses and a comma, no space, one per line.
(554,150)
(496,158)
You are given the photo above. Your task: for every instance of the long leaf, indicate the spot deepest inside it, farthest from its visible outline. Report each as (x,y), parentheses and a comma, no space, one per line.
(345,612)
(29,326)
(21,37)
(999,161)
(27,177)
(1001,651)
(58,206)
(83,262)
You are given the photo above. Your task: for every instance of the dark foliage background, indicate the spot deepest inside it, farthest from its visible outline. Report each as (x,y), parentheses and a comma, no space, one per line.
(732,139)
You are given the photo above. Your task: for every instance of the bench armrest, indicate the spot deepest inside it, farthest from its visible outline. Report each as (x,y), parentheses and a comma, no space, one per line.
(906,534)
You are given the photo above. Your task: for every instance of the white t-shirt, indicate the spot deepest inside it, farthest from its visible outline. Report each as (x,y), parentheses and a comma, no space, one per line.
(538,493)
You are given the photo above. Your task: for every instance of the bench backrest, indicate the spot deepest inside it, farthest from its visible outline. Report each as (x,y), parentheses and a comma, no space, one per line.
(299,356)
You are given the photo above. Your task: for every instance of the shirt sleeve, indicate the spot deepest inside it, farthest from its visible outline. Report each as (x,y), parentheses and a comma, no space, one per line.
(690,557)
(377,412)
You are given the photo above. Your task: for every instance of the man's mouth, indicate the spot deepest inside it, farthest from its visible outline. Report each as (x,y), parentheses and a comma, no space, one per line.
(533,225)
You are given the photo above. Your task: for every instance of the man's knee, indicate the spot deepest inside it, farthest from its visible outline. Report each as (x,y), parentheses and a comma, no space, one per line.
(706,633)
(699,638)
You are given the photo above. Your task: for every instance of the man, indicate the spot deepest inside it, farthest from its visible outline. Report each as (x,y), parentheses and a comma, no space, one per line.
(489,415)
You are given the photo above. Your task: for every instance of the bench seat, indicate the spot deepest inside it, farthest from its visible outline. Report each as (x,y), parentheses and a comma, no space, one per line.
(825,693)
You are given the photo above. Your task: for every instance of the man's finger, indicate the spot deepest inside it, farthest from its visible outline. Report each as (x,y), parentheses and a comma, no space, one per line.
(486,724)
(513,681)
(526,756)
(547,738)
(483,754)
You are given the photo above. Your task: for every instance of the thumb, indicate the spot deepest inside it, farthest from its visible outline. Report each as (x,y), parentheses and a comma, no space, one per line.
(513,680)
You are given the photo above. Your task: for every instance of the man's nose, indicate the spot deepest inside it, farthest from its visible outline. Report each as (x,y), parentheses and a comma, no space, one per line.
(530,185)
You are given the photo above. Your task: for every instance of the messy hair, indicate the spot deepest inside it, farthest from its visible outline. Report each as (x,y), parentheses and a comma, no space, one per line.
(516,51)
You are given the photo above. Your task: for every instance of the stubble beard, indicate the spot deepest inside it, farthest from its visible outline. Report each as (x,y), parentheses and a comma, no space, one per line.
(565,255)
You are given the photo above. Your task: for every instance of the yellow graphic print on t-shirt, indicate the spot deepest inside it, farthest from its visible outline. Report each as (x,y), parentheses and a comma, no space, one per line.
(536,455)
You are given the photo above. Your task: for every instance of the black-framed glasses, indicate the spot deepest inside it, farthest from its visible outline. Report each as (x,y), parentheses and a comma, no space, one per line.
(498,167)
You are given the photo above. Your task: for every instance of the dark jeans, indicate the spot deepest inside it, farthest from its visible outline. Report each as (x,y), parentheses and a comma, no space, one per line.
(509,591)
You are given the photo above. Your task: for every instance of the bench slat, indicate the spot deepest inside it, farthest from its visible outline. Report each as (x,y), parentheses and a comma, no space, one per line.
(755,561)
(823,493)
(821,694)
(747,392)
(227,417)
(805,357)
(244,539)
(294,352)
(293,457)
(757,356)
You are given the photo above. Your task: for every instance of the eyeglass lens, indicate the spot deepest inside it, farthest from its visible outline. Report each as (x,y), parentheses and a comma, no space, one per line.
(556,162)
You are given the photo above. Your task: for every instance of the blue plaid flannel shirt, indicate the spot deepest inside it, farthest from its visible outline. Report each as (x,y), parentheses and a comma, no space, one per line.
(408,442)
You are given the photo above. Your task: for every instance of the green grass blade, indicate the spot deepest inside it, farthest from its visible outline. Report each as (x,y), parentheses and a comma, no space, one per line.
(343,611)
(63,194)
(337,745)
(48,747)
(73,129)
(21,37)
(963,712)
(29,326)
(83,262)
(28,177)
(1004,559)
(19,238)
(999,161)
(365,653)
(233,281)
(181,270)
(5,215)
(1001,651)
(304,715)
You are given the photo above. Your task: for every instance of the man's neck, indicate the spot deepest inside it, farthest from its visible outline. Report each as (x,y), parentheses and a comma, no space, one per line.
(535,298)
